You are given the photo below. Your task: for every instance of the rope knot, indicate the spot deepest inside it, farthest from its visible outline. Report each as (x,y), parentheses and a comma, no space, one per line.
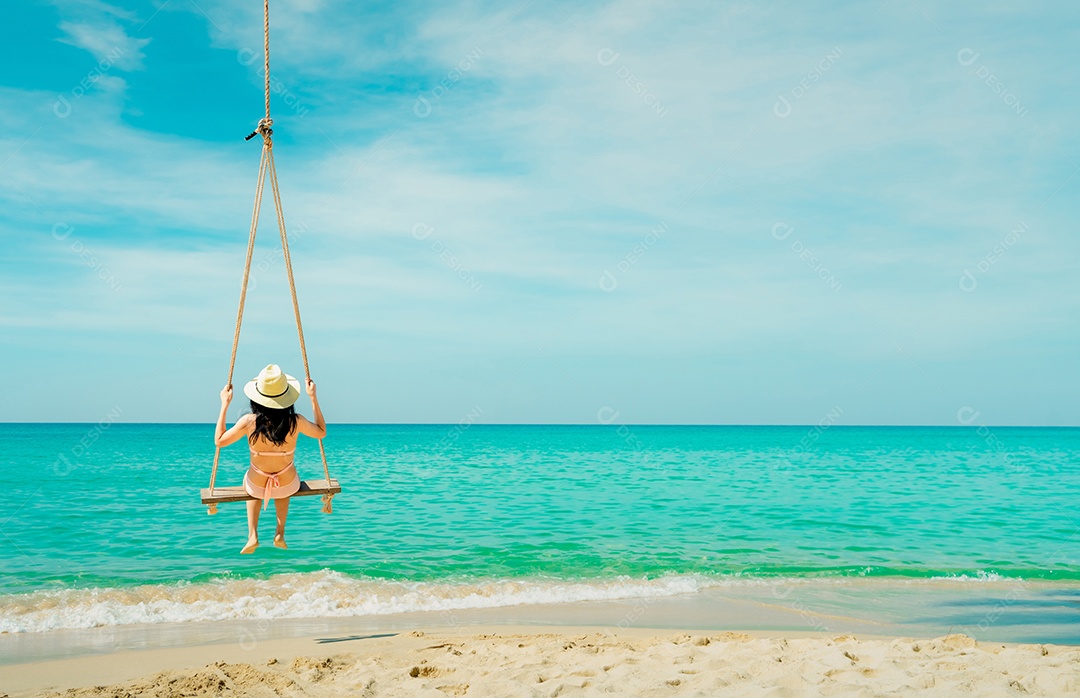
(263,129)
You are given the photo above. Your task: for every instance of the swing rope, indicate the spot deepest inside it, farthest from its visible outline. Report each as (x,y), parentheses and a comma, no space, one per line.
(266,164)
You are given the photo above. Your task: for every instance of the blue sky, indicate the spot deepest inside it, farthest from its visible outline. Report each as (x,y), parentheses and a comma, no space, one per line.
(624,212)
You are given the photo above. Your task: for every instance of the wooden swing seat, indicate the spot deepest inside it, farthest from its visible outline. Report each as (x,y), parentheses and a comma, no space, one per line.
(239,494)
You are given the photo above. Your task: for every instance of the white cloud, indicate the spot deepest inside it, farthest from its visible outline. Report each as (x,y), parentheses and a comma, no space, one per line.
(108,42)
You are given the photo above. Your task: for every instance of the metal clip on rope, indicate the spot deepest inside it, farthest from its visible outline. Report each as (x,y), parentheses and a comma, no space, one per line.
(262,129)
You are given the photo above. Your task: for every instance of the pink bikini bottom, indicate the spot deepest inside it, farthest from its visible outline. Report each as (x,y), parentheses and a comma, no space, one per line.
(273,489)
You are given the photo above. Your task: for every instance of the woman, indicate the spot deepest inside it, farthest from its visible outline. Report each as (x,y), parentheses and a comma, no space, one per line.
(272,429)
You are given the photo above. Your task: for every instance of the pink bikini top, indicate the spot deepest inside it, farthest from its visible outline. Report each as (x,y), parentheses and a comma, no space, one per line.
(271,453)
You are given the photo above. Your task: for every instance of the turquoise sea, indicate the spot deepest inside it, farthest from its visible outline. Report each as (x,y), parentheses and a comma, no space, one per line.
(104,526)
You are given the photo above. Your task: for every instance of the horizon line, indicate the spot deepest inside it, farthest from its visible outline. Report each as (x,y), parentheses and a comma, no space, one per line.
(599,424)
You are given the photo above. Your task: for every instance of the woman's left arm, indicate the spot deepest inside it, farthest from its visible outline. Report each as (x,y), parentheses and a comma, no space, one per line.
(223,436)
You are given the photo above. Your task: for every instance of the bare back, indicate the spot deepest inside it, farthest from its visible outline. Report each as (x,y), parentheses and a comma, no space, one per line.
(269,462)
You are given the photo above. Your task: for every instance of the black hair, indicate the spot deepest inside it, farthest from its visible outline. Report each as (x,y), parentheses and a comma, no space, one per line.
(272,423)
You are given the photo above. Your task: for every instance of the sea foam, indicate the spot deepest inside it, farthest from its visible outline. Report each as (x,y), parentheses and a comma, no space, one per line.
(313,594)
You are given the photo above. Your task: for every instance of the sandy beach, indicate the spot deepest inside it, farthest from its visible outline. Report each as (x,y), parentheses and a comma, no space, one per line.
(564,661)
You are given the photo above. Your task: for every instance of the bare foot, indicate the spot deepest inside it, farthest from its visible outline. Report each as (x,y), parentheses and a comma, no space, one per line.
(252,543)
(279,541)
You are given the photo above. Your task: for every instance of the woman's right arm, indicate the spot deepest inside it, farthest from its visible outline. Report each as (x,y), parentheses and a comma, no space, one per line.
(222,436)
(318,429)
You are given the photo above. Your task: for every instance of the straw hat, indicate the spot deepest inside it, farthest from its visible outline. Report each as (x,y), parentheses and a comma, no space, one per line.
(272,388)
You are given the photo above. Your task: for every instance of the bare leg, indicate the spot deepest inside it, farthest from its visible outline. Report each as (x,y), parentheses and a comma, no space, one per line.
(253,526)
(282,508)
